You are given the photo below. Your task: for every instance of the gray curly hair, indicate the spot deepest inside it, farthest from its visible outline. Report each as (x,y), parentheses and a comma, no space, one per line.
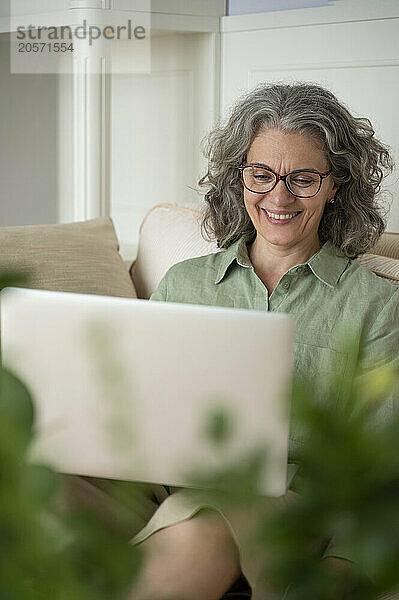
(358,161)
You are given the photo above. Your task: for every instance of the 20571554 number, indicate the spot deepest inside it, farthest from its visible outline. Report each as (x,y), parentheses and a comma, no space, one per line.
(45,47)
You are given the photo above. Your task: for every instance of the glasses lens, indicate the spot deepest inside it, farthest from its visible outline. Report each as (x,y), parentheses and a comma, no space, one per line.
(258,179)
(303,183)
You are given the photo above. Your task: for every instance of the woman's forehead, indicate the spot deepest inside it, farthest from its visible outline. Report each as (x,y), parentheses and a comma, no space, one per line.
(274,145)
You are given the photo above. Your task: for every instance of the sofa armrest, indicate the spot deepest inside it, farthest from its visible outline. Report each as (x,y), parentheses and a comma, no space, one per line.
(387,245)
(169,234)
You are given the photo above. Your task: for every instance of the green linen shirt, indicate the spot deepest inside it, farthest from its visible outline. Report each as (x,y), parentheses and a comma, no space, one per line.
(327,296)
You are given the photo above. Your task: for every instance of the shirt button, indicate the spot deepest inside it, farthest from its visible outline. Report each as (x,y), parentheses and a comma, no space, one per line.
(301,270)
(285,285)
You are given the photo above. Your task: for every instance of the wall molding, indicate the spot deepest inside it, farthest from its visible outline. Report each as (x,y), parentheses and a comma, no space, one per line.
(315,66)
(185,76)
(318,66)
(91,139)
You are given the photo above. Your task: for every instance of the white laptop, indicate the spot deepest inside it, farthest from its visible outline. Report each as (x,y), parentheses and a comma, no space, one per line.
(124,388)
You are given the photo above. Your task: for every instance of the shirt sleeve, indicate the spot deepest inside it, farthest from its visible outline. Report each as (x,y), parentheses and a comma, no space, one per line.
(381,348)
(382,342)
(172,286)
(161,293)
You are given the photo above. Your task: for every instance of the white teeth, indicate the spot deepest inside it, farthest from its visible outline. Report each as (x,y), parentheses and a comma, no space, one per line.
(281,217)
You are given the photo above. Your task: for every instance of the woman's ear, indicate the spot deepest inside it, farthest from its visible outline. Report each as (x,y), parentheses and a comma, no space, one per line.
(335,188)
(333,191)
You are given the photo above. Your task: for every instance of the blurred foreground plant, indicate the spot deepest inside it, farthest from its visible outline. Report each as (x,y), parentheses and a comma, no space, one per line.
(348,488)
(49,552)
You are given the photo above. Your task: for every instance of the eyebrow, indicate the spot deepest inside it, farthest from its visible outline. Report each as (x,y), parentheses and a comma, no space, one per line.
(264,166)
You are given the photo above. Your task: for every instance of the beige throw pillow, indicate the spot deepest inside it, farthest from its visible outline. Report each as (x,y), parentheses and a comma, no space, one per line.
(77,257)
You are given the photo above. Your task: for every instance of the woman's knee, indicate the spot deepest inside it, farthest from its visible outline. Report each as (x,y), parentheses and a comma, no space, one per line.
(195,558)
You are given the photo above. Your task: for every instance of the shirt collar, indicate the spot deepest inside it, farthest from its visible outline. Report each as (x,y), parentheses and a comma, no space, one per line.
(327,264)
(236,252)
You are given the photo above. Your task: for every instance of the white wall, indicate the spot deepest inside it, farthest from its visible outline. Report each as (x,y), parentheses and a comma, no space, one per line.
(351,48)
(28,148)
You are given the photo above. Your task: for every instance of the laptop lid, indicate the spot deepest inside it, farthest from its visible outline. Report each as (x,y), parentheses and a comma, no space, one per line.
(124,388)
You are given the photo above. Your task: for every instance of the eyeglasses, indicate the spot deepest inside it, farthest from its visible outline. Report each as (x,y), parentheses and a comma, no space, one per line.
(303,183)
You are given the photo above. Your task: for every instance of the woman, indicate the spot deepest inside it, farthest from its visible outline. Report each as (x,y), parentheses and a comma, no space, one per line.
(291,199)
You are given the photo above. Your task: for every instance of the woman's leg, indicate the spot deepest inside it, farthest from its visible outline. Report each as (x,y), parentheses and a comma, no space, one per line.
(207,536)
(195,559)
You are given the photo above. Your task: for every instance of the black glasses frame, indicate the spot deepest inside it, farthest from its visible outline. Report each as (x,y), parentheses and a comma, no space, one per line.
(284,178)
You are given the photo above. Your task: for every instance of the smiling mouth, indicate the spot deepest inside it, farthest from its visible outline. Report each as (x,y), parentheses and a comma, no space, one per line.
(281,216)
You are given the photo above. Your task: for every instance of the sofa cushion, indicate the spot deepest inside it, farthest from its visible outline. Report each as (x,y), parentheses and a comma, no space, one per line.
(77,257)
(168,235)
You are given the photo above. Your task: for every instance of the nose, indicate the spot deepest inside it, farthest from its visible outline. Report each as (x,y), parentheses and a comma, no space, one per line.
(280,195)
